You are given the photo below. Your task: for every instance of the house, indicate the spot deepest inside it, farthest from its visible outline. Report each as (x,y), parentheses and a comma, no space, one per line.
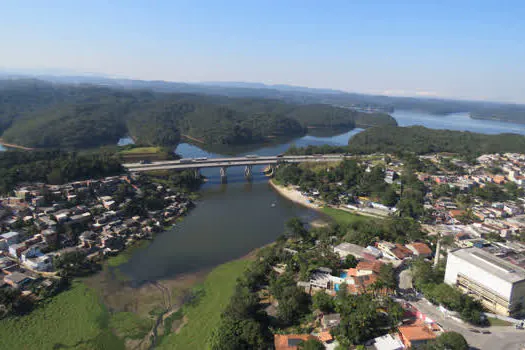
(365,268)
(40,263)
(414,336)
(16,249)
(31,252)
(401,252)
(345,249)
(17,279)
(11,237)
(330,320)
(88,239)
(388,342)
(81,218)
(393,251)
(420,249)
(290,341)
(5,263)
(50,236)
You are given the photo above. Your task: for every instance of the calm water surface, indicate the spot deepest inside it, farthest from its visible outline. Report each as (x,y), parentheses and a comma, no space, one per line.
(232,219)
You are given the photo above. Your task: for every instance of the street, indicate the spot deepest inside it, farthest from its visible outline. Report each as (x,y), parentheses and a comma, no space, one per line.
(501,338)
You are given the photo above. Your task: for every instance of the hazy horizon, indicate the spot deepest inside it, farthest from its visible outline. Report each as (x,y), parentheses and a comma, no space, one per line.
(469,51)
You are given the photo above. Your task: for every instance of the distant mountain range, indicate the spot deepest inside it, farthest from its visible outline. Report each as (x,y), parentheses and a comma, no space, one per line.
(506,112)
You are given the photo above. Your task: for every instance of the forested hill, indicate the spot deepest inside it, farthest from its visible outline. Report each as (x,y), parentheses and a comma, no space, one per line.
(40,114)
(421,140)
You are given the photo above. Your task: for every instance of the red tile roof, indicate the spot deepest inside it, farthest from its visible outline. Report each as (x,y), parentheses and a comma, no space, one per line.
(416,333)
(369,265)
(421,248)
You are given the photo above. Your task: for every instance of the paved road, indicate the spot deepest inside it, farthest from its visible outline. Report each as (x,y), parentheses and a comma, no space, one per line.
(501,338)
(227,162)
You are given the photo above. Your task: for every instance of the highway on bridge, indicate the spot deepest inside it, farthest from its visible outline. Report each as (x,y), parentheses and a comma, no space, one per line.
(200,163)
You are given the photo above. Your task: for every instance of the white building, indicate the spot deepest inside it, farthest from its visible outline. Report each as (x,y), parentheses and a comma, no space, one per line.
(497,283)
(345,249)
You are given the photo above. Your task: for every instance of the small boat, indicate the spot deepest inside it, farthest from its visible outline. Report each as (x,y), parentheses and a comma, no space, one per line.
(273,205)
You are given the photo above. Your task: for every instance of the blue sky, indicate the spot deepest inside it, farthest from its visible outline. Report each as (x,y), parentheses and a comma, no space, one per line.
(461,49)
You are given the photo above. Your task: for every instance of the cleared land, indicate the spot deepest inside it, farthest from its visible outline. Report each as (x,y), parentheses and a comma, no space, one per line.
(204,316)
(131,153)
(343,217)
(141,150)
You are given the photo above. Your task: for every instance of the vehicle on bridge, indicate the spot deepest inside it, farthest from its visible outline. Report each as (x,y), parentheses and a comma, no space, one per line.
(186,160)
(201,159)
(251,156)
(145,161)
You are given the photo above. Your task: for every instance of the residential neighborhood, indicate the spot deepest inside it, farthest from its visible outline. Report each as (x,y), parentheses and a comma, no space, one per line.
(95,218)
(473,226)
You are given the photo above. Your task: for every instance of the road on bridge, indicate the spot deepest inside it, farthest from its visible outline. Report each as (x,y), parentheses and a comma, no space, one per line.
(199,163)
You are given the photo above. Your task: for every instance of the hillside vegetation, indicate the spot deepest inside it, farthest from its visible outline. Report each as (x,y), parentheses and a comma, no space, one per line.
(39,114)
(422,140)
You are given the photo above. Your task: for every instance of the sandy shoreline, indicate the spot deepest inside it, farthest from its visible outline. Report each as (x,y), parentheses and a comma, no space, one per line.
(294,195)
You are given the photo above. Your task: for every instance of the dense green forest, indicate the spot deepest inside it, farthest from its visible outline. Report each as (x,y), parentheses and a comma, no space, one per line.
(422,140)
(507,112)
(40,114)
(54,167)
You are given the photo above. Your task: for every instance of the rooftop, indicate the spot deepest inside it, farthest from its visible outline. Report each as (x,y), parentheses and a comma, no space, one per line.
(491,264)
(415,333)
(9,235)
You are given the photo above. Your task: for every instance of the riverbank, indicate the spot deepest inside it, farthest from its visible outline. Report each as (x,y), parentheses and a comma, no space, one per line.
(342,216)
(294,196)
(11,145)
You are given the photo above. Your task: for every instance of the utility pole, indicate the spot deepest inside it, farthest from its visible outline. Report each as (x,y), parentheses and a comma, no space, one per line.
(438,251)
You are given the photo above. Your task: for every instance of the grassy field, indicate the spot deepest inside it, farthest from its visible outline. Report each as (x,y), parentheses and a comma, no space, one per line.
(129,325)
(141,150)
(497,322)
(343,217)
(74,318)
(203,317)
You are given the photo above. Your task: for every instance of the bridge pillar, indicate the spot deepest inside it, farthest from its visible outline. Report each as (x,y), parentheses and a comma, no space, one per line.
(272,170)
(248,171)
(223,171)
(197,173)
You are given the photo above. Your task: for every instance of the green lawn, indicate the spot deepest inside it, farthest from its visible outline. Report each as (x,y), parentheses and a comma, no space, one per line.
(74,318)
(343,217)
(141,150)
(204,317)
(497,322)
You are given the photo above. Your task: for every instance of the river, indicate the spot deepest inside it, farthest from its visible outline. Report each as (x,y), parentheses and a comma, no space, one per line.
(232,219)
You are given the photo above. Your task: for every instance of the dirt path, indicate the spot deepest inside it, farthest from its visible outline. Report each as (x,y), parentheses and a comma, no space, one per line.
(11,145)
(193,138)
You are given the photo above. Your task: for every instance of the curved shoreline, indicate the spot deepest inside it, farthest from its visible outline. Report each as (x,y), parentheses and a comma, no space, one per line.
(294,196)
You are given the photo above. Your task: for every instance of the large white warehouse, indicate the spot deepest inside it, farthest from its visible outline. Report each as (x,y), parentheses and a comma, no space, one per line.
(497,283)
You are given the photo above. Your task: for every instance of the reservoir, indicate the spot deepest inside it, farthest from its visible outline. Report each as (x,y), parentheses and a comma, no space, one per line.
(232,219)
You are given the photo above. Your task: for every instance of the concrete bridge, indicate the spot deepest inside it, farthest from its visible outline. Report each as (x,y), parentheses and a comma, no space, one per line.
(224,163)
